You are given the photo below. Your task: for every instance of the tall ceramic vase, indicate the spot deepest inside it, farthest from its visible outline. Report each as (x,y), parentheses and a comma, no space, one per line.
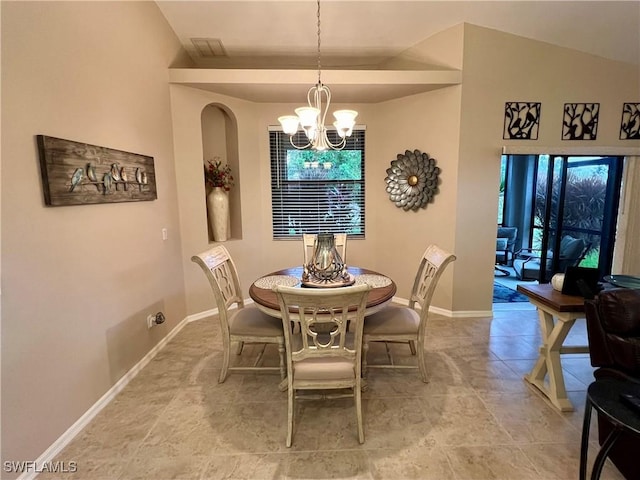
(218,203)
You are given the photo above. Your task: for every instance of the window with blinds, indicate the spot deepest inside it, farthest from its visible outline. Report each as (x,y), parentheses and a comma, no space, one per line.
(317,192)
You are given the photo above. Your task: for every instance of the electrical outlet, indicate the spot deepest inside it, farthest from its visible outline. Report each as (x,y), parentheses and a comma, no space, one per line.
(151,321)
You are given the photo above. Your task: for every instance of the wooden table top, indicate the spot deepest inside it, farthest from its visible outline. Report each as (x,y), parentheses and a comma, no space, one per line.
(267,297)
(547,295)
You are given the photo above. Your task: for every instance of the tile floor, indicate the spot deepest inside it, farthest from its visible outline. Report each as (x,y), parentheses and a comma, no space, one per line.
(476,419)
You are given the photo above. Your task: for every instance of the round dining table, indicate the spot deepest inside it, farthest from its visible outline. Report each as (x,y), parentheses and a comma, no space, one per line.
(261,291)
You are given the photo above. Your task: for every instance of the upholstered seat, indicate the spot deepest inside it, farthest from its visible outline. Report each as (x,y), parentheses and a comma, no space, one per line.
(405,321)
(251,322)
(323,369)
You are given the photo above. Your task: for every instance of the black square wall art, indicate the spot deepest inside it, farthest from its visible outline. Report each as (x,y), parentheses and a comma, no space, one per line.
(630,125)
(521,120)
(580,121)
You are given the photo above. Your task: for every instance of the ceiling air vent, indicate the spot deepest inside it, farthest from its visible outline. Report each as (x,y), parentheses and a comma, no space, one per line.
(209,47)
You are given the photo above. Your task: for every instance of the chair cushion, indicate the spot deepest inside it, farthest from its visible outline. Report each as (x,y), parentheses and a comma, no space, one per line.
(392,320)
(251,321)
(501,244)
(325,368)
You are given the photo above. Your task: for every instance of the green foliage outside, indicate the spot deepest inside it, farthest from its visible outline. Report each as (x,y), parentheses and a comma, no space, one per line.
(344,213)
(591,259)
(328,165)
(583,208)
(503,179)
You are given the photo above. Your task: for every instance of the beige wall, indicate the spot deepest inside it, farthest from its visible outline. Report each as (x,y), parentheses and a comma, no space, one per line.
(79,281)
(395,239)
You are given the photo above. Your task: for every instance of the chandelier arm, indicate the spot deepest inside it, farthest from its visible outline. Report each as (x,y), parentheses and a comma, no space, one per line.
(323,111)
(336,146)
(296,146)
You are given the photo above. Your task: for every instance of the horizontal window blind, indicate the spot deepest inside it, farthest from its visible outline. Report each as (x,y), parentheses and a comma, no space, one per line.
(317,192)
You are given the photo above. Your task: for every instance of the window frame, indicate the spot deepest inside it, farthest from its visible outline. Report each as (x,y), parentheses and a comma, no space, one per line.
(290,195)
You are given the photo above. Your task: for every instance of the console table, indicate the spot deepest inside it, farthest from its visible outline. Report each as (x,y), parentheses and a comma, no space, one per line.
(557,314)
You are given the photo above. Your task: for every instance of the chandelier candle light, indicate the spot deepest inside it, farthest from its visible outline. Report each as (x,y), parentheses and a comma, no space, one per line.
(312,117)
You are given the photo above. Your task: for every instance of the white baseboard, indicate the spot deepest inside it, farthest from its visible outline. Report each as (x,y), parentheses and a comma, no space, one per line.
(201,315)
(49,454)
(449,313)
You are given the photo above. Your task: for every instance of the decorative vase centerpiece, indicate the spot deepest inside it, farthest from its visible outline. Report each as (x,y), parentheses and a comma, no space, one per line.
(326,265)
(219,181)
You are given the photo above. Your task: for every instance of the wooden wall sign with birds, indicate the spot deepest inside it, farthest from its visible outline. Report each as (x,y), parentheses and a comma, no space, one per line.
(75,173)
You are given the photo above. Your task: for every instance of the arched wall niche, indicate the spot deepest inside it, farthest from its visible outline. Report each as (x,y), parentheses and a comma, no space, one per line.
(220,140)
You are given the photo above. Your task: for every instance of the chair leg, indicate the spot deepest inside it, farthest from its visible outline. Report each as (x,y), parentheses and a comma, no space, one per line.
(421,364)
(225,364)
(389,356)
(357,395)
(283,367)
(291,400)
(365,350)
(412,347)
(240,347)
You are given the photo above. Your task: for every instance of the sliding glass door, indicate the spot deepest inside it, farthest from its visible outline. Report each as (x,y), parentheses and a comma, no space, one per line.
(565,198)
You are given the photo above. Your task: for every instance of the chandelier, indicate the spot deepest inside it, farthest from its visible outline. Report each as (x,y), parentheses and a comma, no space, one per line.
(312,117)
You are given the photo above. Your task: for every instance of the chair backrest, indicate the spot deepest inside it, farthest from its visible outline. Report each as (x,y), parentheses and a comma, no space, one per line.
(309,239)
(572,251)
(433,263)
(223,278)
(510,234)
(613,328)
(324,315)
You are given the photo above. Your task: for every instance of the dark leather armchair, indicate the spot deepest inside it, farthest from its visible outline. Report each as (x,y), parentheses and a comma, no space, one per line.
(613,327)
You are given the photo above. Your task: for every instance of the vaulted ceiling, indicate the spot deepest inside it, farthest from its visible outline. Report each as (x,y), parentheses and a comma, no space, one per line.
(361,34)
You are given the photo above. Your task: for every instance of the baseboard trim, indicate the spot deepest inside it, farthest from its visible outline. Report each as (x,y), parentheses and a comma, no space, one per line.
(201,315)
(449,313)
(56,447)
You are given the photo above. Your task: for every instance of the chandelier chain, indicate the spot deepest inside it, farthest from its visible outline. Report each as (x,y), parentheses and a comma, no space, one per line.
(312,117)
(319,66)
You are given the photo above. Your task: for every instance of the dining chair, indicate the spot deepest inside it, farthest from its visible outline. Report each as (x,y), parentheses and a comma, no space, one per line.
(308,242)
(325,355)
(407,324)
(238,323)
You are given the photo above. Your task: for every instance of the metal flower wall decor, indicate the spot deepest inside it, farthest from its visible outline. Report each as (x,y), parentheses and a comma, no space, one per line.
(412,180)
